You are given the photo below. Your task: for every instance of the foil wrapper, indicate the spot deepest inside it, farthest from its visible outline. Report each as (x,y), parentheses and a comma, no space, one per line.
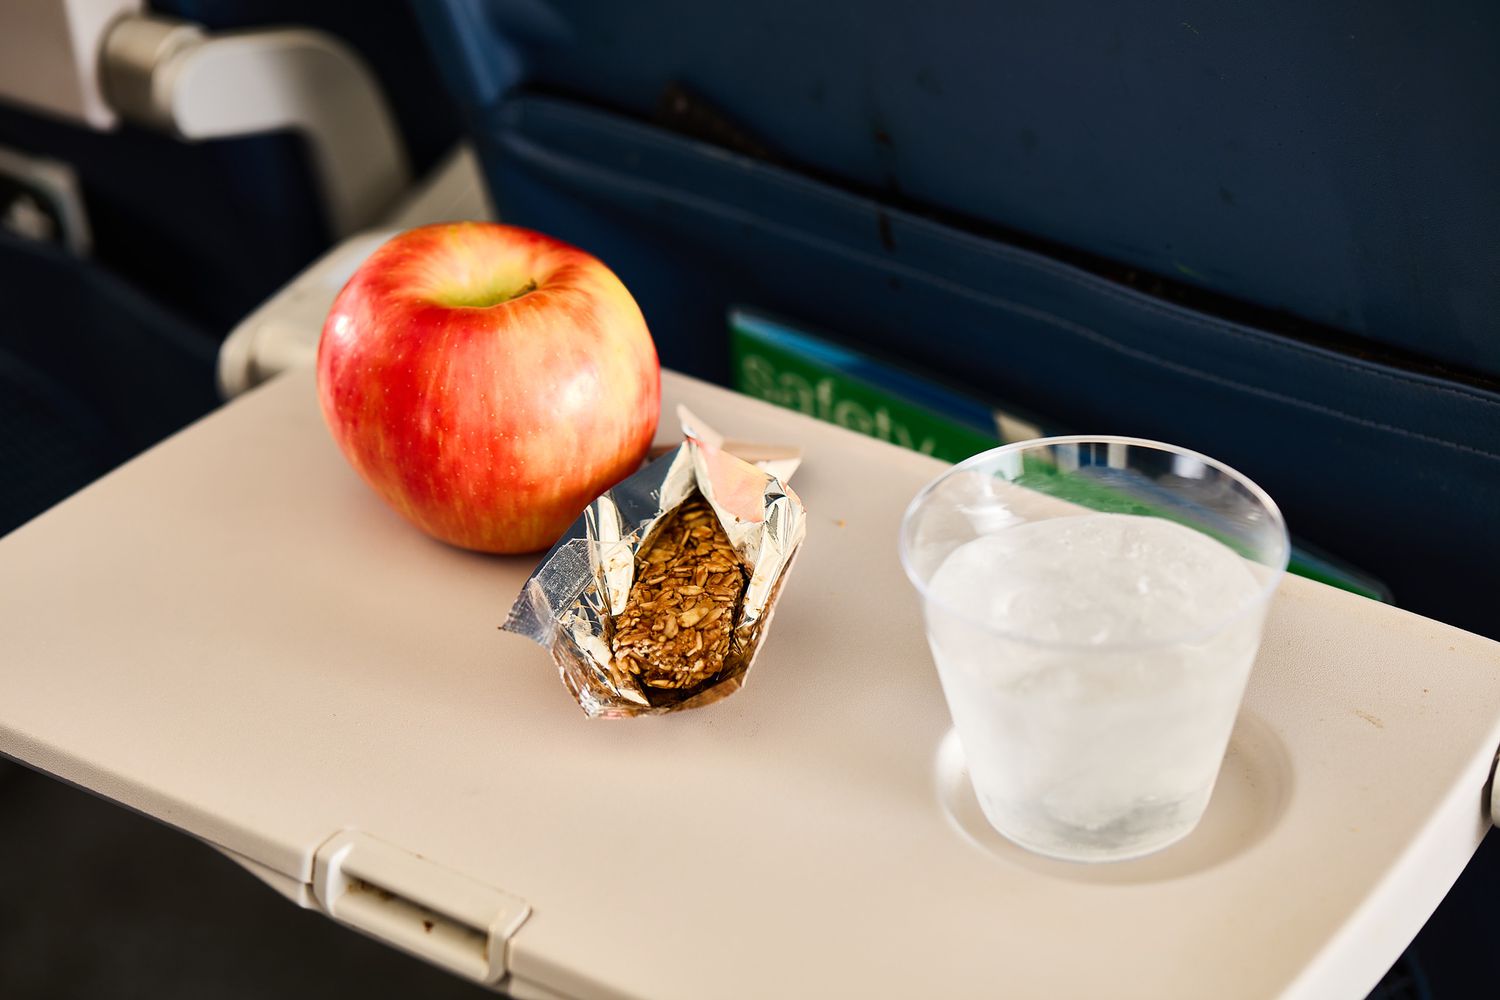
(570,604)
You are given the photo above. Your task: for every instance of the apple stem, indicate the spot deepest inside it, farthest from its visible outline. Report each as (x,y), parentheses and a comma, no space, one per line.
(479,298)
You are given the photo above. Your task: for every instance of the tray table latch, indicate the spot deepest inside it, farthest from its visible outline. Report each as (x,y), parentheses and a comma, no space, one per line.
(1494,792)
(405,900)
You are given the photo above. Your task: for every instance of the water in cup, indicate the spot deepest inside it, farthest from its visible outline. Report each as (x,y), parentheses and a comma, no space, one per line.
(1051,704)
(1098,628)
(1094,606)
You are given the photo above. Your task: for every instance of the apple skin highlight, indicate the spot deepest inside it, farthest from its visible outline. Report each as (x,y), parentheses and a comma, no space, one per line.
(488,382)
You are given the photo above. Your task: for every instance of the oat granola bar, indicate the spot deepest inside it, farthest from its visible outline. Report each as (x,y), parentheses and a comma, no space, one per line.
(675,630)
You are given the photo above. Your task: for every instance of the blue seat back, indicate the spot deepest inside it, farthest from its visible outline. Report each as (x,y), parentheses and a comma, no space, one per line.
(1245,231)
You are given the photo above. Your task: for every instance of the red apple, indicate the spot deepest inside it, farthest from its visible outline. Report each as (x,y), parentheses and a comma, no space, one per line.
(488,382)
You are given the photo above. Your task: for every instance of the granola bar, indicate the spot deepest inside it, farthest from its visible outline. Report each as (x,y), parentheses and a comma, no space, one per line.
(675,630)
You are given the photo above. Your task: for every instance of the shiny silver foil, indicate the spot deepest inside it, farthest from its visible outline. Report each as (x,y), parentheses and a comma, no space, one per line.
(570,603)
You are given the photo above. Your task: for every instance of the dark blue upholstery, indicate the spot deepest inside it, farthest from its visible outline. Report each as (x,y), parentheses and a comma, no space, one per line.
(1333,161)
(987,192)
(91,371)
(100,358)
(211,229)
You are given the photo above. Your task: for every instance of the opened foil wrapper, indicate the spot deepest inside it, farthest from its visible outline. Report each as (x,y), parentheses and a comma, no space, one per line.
(570,604)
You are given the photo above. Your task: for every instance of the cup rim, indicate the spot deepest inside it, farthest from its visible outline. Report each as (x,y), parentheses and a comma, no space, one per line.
(1267,589)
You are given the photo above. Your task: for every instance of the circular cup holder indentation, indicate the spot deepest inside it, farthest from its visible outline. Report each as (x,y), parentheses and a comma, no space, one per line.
(1248,799)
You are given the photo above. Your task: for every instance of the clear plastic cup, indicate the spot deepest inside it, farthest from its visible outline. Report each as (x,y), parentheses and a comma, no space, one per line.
(1094,605)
